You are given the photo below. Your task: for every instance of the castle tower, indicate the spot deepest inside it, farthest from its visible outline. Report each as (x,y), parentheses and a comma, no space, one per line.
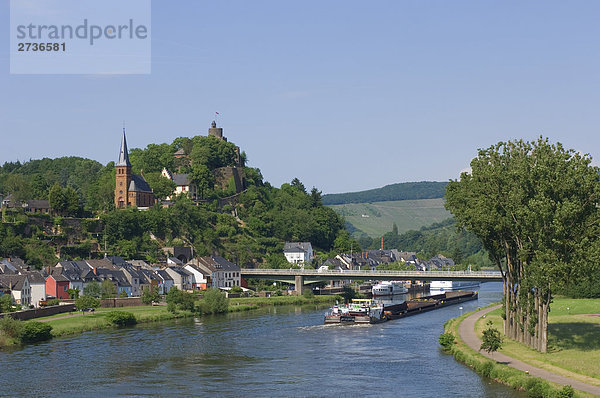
(216,131)
(123,178)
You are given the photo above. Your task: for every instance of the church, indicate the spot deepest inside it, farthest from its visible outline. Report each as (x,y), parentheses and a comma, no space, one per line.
(130,189)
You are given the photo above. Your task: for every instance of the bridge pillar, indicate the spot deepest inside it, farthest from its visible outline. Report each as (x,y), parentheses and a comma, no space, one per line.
(299,280)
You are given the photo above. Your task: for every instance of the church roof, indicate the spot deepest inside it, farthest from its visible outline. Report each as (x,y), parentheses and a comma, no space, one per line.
(138,184)
(124,154)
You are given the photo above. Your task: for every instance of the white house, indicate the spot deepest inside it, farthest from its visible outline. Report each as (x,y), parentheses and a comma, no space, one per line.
(183,184)
(37,283)
(222,273)
(201,277)
(298,252)
(19,287)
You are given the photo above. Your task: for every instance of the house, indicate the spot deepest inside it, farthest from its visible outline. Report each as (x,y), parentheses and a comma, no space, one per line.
(72,270)
(136,279)
(201,277)
(298,252)
(57,284)
(37,284)
(153,280)
(223,273)
(165,282)
(117,277)
(183,184)
(174,261)
(19,288)
(37,206)
(182,279)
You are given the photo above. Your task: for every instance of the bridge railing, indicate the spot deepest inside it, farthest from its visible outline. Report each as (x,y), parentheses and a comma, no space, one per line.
(408,274)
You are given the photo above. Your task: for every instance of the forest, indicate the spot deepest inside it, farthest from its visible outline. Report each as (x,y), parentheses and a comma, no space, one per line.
(400,191)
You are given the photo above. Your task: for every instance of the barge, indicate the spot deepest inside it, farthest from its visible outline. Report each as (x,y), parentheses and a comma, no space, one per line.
(370,311)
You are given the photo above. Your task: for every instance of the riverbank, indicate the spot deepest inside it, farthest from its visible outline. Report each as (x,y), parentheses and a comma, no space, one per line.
(522,372)
(78,322)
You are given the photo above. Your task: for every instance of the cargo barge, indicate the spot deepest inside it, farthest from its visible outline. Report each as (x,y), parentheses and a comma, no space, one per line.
(369,311)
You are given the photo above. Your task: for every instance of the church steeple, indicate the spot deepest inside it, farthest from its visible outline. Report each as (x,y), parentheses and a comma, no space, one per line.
(124,154)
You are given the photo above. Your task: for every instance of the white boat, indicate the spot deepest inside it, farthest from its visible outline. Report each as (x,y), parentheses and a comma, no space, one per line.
(388,288)
(358,311)
(448,286)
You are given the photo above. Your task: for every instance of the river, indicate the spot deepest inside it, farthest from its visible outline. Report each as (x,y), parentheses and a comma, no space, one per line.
(281,351)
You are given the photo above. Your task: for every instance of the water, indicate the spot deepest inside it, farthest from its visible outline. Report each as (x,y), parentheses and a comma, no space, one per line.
(272,352)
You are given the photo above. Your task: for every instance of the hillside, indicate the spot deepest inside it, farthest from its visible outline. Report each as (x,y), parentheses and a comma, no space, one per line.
(400,191)
(375,219)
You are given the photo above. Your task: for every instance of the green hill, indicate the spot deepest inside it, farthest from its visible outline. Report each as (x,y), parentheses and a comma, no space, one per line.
(400,191)
(375,219)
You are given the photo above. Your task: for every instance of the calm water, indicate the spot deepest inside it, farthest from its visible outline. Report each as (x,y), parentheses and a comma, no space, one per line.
(274,352)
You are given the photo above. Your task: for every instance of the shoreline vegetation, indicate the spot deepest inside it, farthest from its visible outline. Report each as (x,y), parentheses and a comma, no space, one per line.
(78,322)
(574,349)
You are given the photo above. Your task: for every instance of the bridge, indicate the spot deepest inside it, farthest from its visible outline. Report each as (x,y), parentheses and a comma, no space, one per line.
(302,277)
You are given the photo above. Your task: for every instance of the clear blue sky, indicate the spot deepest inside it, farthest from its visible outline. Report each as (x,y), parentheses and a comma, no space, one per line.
(345,95)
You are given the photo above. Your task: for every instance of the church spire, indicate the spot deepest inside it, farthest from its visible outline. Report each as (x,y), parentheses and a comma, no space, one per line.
(124,154)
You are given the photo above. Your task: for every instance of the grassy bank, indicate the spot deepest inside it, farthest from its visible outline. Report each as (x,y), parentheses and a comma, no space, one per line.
(573,340)
(73,323)
(77,323)
(501,373)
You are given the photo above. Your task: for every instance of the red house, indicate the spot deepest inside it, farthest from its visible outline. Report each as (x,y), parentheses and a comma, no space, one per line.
(57,286)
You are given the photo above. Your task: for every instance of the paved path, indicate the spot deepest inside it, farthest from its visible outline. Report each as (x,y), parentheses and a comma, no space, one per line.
(466,331)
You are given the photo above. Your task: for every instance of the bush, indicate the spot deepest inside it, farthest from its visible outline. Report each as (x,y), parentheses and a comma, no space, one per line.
(54,301)
(486,368)
(214,302)
(236,289)
(446,340)
(537,388)
(10,327)
(308,293)
(34,331)
(566,392)
(121,318)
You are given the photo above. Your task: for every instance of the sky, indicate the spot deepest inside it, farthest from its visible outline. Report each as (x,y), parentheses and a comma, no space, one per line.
(344,95)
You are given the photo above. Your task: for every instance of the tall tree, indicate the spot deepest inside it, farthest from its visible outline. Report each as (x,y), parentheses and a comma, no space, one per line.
(532,204)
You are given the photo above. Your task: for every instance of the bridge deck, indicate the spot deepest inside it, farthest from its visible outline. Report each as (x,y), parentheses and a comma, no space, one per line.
(290,274)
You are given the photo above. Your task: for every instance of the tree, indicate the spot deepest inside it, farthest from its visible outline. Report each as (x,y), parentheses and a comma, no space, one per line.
(93,289)
(150,295)
(214,301)
(6,303)
(203,178)
(491,339)
(85,302)
(57,199)
(534,207)
(161,185)
(73,293)
(108,289)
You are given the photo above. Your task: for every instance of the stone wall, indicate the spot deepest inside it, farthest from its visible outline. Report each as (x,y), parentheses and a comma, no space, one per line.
(40,312)
(121,302)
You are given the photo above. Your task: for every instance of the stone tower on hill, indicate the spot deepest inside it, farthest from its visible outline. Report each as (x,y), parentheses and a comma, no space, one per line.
(216,131)
(130,189)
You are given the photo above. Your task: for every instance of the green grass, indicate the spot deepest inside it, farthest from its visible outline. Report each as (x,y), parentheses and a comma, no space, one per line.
(407,214)
(77,323)
(573,340)
(497,371)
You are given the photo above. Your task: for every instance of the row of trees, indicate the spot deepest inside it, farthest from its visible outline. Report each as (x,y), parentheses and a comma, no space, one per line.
(535,208)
